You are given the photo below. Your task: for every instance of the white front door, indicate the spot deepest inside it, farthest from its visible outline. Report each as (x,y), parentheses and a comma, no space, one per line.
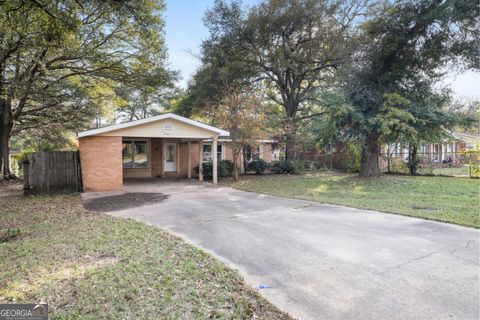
(170,156)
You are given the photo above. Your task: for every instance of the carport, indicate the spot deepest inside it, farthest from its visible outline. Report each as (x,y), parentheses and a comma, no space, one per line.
(164,146)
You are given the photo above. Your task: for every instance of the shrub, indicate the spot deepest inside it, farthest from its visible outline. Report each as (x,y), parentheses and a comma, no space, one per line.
(207,169)
(259,166)
(224,168)
(282,167)
(352,160)
(319,167)
(399,166)
(298,166)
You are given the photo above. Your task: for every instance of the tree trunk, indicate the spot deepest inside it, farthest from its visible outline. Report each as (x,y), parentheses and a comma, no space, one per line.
(236,167)
(6,156)
(369,166)
(412,159)
(291,137)
(3,110)
(5,134)
(389,160)
(2,130)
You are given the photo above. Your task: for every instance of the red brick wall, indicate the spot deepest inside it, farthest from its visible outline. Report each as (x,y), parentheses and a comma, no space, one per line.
(157,157)
(195,158)
(183,160)
(229,153)
(267,152)
(101,161)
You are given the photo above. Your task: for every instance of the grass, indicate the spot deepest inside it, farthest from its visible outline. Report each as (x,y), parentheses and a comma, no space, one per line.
(453,171)
(94,266)
(446,199)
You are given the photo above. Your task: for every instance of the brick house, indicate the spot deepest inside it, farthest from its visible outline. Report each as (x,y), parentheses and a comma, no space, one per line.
(449,150)
(167,145)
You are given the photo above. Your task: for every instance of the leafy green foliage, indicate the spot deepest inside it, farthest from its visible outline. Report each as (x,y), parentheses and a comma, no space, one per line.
(283,167)
(224,168)
(388,91)
(64,63)
(473,159)
(290,48)
(353,153)
(298,166)
(258,166)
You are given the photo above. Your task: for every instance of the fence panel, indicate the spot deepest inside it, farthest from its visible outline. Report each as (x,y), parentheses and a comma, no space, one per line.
(52,172)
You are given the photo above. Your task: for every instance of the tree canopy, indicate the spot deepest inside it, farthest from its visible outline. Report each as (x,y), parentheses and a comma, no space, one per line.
(292,47)
(64,62)
(387,91)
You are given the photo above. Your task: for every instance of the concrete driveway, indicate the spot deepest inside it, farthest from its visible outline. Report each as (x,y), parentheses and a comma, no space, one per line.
(324,261)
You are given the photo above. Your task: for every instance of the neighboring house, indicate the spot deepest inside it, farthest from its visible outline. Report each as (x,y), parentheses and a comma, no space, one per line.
(449,150)
(167,145)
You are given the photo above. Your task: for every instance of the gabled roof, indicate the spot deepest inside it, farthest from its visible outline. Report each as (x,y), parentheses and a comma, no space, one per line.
(153,119)
(466,137)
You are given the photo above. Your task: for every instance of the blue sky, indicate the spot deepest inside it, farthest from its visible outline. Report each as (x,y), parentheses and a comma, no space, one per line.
(185,31)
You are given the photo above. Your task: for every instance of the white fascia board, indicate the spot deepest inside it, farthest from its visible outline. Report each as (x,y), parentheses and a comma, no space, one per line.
(119,126)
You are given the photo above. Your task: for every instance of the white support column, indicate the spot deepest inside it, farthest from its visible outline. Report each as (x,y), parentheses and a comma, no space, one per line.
(189,168)
(215,160)
(162,147)
(200,160)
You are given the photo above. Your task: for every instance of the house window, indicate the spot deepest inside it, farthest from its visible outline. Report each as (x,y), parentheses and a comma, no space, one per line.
(330,148)
(134,154)
(436,152)
(423,149)
(207,152)
(276,155)
(250,153)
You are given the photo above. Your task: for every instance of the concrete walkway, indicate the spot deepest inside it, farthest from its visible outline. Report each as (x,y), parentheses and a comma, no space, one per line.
(324,261)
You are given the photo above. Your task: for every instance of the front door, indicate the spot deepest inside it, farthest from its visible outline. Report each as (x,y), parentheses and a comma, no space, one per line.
(170,156)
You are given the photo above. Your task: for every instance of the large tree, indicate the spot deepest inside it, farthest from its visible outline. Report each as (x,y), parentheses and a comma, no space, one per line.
(62,62)
(407,47)
(221,91)
(293,47)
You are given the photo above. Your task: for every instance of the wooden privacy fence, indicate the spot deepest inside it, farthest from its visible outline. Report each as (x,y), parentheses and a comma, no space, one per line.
(52,172)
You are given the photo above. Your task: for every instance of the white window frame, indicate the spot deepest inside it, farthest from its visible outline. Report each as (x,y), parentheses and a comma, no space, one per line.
(220,155)
(132,141)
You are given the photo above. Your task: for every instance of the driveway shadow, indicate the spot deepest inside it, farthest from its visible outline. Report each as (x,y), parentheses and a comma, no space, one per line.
(123,201)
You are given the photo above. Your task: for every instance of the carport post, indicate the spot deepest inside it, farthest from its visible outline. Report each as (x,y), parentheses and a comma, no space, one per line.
(200,160)
(189,151)
(215,156)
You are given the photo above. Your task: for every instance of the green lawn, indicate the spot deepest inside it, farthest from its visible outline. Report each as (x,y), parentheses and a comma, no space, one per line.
(93,266)
(453,171)
(446,199)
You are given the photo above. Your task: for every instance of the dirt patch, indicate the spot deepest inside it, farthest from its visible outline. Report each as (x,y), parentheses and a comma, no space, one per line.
(123,201)
(11,187)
